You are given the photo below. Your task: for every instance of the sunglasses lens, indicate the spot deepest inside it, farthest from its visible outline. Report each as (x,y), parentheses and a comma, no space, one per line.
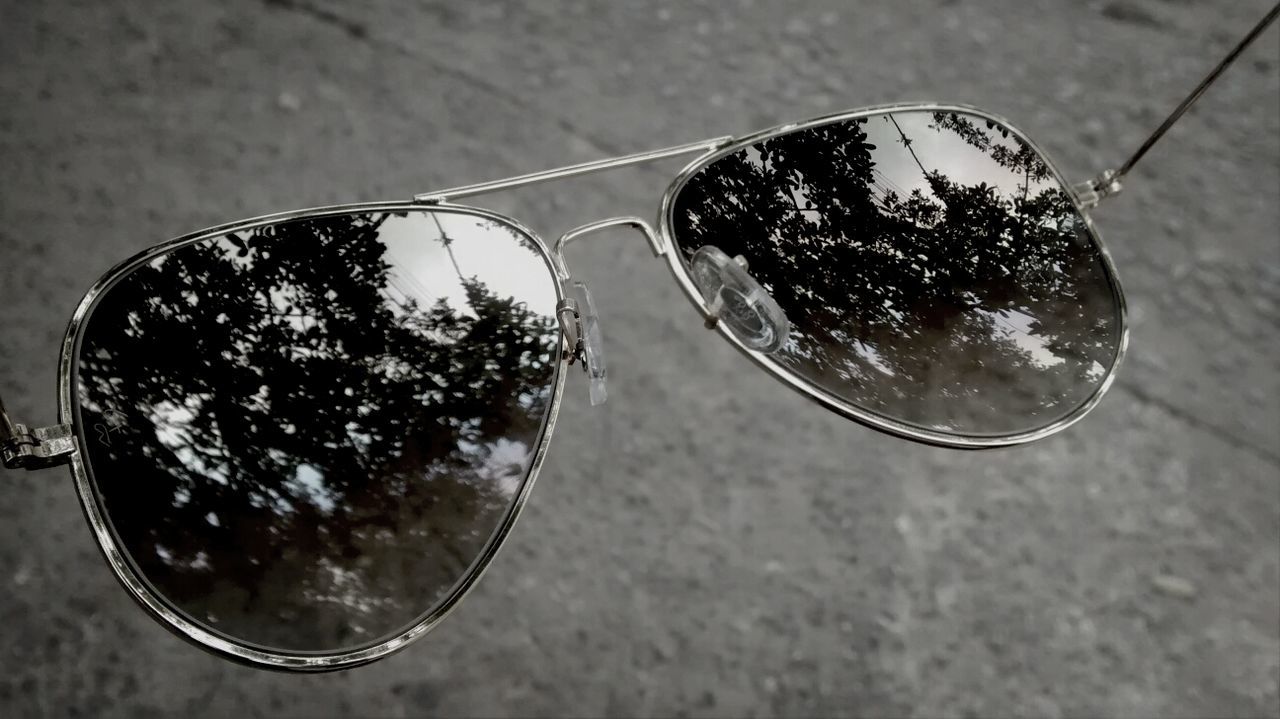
(307,436)
(933,268)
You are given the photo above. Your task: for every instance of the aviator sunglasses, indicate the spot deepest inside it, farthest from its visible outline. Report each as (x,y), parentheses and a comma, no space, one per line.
(299,439)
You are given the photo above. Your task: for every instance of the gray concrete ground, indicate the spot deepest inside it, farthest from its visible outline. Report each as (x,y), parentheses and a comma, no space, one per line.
(707,543)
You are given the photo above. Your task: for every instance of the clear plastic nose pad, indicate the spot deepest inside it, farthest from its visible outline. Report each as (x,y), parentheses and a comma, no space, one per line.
(592,345)
(581,326)
(736,299)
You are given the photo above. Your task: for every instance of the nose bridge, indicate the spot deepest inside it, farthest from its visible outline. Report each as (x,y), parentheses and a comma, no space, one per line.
(577,313)
(577,233)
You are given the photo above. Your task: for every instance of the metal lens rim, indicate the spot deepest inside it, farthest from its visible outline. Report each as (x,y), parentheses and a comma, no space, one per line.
(833,402)
(159,607)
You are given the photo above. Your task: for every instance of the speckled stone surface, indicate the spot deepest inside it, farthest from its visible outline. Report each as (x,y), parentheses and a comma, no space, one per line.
(707,543)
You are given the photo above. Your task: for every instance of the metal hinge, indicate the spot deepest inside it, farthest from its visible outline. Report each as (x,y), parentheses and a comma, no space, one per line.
(22,447)
(36,448)
(1091,192)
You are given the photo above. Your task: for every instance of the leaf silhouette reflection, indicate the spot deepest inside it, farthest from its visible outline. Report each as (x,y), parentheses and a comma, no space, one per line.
(933,269)
(304,434)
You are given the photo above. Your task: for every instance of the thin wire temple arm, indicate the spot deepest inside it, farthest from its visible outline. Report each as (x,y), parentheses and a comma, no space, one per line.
(8,431)
(584,168)
(1196,93)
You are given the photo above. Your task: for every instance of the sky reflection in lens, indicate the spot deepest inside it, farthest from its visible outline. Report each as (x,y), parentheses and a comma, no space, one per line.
(305,433)
(933,269)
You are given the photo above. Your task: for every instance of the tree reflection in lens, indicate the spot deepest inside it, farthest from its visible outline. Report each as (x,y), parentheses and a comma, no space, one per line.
(933,269)
(303,435)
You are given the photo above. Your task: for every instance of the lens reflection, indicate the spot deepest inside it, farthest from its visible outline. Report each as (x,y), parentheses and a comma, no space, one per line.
(304,434)
(933,269)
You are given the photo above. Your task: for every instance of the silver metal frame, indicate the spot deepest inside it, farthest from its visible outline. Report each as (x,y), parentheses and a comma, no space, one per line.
(31,448)
(831,401)
(132,579)
(561,173)
(661,242)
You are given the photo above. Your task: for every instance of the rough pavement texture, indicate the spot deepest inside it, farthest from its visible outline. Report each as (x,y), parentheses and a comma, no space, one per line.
(707,543)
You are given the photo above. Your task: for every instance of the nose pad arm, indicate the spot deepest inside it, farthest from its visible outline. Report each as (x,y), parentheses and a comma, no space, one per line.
(734,297)
(581,325)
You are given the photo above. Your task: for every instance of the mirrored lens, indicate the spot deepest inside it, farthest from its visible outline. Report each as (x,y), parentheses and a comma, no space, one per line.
(934,270)
(304,435)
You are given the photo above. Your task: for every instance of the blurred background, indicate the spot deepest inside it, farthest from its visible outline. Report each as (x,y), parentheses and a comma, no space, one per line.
(708,543)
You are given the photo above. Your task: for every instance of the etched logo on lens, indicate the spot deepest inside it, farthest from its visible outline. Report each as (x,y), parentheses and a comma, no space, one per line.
(113,420)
